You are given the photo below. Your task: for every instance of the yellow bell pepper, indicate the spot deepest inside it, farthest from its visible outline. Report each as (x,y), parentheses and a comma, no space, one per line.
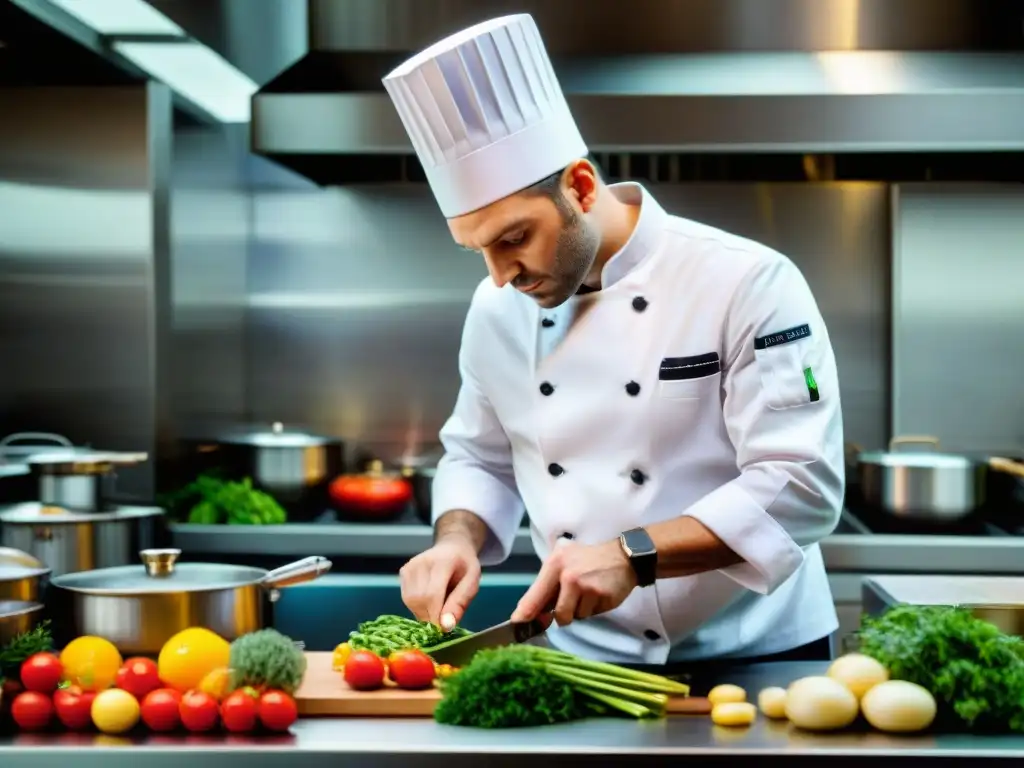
(340,656)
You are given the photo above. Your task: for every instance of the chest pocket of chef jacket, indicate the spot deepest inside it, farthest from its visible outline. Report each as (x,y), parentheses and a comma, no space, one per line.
(783,368)
(689,378)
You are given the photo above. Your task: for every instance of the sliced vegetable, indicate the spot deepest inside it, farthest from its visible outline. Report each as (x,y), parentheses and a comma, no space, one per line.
(41,672)
(74,707)
(525,685)
(32,711)
(160,710)
(364,671)
(387,634)
(733,713)
(277,711)
(115,711)
(267,659)
(820,703)
(897,706)
(725,694)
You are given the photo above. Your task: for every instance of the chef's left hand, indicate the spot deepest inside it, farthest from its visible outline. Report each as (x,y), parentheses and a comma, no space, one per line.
(585,581)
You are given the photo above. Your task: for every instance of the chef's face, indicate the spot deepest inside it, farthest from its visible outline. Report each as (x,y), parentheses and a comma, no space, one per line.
(540,240)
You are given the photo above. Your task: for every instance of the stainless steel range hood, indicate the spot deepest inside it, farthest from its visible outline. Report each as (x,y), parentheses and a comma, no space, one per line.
(687,76)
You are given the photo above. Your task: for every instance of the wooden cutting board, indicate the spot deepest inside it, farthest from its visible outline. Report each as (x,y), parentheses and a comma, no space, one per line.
(324,693)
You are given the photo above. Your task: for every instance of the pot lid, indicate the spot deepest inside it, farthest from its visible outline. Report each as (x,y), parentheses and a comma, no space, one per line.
(34,513)
(279,437)
(8,469)
(11,608)
(916,459)
(15,564)
(141,580)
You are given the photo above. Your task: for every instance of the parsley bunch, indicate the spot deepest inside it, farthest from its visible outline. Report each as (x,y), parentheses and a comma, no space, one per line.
(975,672)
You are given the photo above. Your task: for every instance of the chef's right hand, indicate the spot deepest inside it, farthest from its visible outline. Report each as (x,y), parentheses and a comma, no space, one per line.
(439,584)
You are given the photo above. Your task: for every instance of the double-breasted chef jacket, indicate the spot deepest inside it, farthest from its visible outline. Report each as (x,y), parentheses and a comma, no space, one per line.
(699,380)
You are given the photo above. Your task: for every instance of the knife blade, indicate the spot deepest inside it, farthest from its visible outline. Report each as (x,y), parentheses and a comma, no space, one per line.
(459,652)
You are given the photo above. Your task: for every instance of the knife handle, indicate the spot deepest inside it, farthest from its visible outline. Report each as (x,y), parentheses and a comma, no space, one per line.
(528,630)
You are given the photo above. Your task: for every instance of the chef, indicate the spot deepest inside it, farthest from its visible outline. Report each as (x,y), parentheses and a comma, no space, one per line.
(661,396)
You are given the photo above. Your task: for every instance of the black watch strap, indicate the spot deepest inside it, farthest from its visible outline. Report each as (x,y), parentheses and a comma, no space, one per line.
(639,549)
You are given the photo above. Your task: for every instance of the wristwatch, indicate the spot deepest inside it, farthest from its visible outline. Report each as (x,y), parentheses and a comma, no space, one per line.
(639,550)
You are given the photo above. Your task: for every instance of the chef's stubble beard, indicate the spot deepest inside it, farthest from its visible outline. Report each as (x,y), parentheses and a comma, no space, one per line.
(578,244)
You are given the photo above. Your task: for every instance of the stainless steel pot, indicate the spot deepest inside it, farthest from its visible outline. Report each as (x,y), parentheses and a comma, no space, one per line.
(140,607)
(68,542)
(16,480)
(926,485)
(18,617)
(77,480)
(292,466)
(931,485)
(21,575)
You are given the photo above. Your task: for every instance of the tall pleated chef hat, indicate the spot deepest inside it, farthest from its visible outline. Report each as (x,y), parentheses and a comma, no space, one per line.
(485,113)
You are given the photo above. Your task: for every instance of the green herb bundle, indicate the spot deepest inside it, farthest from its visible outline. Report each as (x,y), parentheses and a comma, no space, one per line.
(36,640)
(975,672)
(211,500)
(387,634)
(524,685)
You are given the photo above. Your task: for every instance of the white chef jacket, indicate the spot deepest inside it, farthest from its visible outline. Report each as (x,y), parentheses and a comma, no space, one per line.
(698,381)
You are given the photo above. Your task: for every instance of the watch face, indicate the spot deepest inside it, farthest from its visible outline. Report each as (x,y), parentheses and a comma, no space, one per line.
(638,542)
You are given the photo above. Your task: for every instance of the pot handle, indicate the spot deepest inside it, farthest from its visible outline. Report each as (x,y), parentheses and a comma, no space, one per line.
(914,440)
(41,437)
(307,569)
(1009,466)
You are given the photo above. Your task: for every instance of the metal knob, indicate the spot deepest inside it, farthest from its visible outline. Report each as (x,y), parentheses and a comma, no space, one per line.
(159,562)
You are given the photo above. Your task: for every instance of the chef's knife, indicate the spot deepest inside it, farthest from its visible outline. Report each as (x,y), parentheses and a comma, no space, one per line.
(459,652)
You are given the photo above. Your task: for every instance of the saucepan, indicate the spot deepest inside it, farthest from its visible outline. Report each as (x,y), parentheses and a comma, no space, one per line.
(140,607)
(928,485)
(21,575)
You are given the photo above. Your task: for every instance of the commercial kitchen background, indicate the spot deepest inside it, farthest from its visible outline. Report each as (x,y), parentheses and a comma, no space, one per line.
(161,280)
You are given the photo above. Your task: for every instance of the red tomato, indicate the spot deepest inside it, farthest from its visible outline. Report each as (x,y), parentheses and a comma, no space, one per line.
(138,676)
(364,671)
(199,711)
(41,672)
(73,707)
(412,670)
(160,709)
(32,711)
(277,710)
(238,711)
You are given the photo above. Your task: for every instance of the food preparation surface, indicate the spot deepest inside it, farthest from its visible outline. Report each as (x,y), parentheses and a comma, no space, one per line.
(324,692)
(393,742)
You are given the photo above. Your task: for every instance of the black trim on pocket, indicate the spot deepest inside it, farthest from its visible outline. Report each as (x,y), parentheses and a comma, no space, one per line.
(694,367)
(782,337)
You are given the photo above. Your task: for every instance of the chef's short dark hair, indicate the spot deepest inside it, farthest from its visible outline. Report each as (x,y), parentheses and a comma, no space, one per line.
(551,186)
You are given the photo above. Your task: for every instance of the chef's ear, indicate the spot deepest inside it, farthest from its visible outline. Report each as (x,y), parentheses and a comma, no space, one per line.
(580,182)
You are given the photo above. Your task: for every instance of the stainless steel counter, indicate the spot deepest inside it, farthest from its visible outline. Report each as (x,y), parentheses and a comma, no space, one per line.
(385,742)
(843,552)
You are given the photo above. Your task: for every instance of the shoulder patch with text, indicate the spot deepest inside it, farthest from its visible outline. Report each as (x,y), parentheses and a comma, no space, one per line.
(783,337)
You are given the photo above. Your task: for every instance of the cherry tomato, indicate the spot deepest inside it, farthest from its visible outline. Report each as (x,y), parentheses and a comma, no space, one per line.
(238,711)
(412,669)
(364,671)
(138,676)
(160,709)
(277,710)
(199,711)
(73,706)
(32,711)
(41,672)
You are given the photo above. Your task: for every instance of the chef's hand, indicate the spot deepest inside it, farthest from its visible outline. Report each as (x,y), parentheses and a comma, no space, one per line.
(439,584)
(580,581)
